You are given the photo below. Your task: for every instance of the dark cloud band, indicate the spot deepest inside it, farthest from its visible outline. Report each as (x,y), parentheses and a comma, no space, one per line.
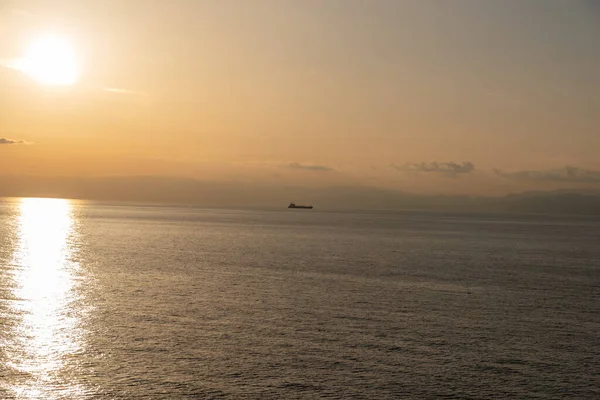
(443,168)
(10,141)
(310,167)
(566,174)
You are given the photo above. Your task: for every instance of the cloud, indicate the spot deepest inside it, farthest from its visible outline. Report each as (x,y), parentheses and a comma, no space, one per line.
(10,141)
(309,167)
(450,169)
(122,94)
(124,91)
(566,174)
(9,64)
(16,65)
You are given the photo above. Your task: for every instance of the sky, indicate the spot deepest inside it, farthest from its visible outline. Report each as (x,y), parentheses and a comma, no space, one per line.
(422,96)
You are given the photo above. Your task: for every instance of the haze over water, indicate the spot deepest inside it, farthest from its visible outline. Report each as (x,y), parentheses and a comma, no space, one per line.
(124,302)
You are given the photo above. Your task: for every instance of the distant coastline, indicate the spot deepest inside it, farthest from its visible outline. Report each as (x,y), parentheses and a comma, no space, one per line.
(213,194)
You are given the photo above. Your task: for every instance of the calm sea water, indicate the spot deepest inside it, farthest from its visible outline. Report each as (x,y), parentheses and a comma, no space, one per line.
(120,302)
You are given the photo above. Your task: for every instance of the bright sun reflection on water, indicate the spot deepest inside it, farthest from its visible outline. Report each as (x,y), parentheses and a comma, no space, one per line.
(45,280)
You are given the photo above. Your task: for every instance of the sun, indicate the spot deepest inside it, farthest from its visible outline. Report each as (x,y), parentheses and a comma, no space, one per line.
(51,60)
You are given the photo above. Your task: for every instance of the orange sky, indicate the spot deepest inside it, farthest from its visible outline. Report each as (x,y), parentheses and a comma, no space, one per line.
(382,93)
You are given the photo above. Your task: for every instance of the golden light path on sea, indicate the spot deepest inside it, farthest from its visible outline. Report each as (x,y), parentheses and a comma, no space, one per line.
(45,300)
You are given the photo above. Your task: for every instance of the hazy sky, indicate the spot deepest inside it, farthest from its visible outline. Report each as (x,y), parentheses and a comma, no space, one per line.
(461,96)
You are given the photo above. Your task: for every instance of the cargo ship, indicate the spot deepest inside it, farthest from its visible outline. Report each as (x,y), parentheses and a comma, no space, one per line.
(293,205)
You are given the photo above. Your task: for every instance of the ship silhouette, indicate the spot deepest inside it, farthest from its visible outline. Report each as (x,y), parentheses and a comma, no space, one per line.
(293,205)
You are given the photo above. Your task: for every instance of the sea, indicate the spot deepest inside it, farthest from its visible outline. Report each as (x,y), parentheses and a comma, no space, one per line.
(106,301)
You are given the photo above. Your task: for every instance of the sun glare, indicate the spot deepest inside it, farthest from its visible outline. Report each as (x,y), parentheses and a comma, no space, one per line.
(50,60)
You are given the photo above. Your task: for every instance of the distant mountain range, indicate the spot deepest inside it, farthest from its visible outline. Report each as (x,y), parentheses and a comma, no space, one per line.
(146,189)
